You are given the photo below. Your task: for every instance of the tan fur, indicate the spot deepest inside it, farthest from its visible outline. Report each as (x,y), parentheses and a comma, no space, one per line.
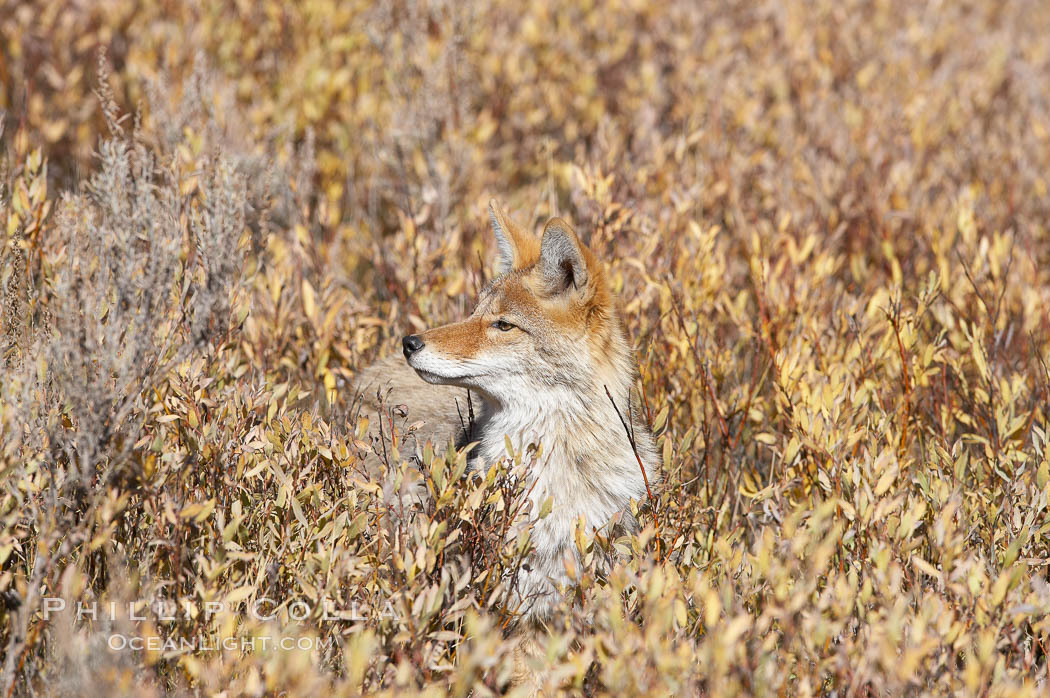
(401,409)
(463,339)
(525,249)
(527,653)
(392,383)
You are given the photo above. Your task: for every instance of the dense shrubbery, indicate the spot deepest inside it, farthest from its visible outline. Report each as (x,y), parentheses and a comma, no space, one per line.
(829,225)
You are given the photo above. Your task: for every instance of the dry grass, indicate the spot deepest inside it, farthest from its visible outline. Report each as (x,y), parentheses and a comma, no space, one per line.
(829,225)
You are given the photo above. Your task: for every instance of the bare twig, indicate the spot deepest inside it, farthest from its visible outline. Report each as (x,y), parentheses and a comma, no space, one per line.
(641,465)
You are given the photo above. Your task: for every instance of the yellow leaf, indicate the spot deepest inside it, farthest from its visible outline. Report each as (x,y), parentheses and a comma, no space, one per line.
(240,594)
(999,589)
(198,511)
(886,480)
(309,300)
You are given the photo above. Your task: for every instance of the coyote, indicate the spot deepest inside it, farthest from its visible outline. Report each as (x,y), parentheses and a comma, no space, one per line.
(544,357)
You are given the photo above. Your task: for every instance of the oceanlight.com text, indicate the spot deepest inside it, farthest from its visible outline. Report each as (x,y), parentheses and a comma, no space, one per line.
(120,642)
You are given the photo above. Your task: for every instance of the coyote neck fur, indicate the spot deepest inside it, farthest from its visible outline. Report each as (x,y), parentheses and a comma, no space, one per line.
(585,464)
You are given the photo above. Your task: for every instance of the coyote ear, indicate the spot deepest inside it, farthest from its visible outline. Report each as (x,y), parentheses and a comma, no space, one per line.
(517,249)
(562,258)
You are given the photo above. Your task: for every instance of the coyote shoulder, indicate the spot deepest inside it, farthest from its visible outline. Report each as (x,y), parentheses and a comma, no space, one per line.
(540,356)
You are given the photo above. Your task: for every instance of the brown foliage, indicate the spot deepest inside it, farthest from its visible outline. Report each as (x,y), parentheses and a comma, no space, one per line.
(828,225)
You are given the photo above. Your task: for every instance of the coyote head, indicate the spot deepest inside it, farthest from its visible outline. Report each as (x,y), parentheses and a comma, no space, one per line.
(546,328)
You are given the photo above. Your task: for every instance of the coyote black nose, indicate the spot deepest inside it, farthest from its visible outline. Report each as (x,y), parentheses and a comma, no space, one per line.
(412,343)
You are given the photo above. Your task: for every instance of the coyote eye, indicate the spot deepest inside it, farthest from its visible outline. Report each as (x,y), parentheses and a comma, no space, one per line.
(502,325)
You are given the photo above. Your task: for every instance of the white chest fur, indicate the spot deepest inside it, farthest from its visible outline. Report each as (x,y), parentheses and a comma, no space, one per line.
(586,466)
